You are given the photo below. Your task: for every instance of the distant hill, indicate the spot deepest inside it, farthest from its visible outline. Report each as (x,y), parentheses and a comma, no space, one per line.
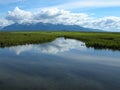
(46,27)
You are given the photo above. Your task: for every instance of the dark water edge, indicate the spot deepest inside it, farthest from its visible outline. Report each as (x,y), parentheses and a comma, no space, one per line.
(63,64)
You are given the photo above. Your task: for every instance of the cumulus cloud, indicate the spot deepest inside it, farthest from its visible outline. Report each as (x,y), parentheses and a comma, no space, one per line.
(57,16)
(19,16)
(57,46)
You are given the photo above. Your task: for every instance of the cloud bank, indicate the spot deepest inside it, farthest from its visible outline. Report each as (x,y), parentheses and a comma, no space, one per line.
(58,16)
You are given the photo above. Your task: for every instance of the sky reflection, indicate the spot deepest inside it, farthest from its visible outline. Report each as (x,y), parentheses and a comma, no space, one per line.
(54,47)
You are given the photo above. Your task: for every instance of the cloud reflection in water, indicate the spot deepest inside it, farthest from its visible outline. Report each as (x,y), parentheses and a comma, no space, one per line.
(56,46)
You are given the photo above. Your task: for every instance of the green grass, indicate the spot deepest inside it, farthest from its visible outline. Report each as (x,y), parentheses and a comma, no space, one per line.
(96,40)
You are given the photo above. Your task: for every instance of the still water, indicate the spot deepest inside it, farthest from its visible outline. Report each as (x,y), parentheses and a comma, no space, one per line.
(63,64)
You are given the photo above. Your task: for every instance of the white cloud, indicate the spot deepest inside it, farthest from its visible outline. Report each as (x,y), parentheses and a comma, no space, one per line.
(5,22)
(56,16)
(19,16)
(89,4)
(107,23)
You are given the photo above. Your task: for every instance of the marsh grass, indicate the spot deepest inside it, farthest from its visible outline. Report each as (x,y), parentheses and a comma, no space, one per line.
(96,40)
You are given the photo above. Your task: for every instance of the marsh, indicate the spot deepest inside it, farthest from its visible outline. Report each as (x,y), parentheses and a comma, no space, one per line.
(62,64)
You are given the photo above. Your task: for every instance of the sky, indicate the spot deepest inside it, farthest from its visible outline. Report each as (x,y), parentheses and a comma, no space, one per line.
(98,14)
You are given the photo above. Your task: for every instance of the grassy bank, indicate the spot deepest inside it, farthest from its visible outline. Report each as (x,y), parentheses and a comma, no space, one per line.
(96,40)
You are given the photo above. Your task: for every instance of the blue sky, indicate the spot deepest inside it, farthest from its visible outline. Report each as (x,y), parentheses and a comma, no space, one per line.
(97,14)
(100,11)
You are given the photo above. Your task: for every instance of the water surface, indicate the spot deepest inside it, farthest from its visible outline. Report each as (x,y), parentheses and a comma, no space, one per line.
(63,64)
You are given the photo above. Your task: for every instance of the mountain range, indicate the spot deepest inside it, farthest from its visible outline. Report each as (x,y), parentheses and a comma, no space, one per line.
(47,27)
